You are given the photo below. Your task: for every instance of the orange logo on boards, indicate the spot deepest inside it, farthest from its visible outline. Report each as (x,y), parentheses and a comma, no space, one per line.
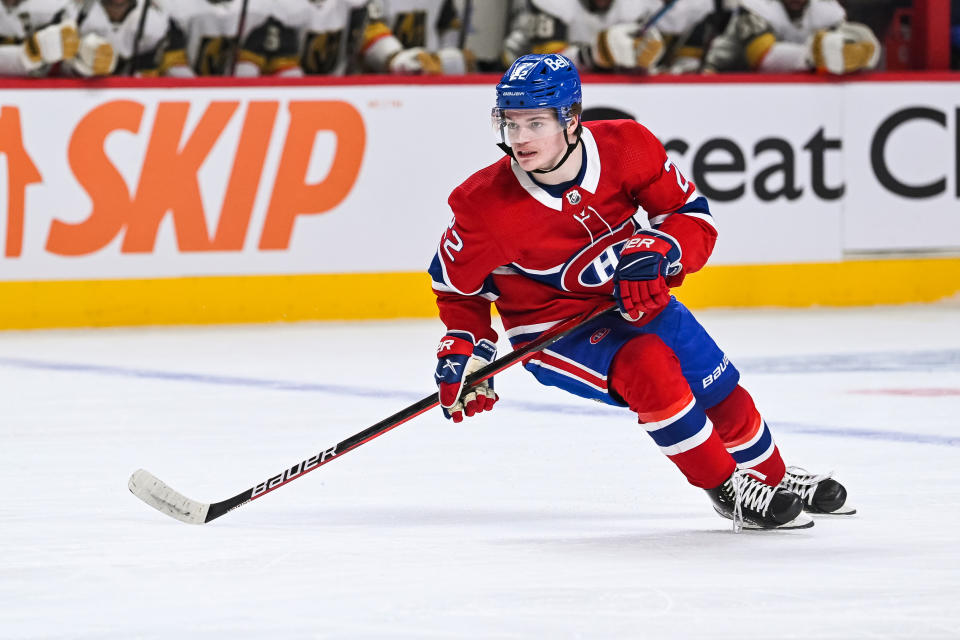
(169,182)
(20,172)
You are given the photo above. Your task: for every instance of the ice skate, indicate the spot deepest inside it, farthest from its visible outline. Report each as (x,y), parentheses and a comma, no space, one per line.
(820,494)
(752,504)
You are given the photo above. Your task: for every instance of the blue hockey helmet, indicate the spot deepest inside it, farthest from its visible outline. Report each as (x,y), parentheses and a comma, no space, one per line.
(539,81)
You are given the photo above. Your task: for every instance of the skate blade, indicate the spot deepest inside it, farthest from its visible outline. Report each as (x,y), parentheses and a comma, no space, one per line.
(802,521)
(842,511)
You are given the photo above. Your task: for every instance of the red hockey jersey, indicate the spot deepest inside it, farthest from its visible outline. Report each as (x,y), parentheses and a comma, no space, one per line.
(542,259)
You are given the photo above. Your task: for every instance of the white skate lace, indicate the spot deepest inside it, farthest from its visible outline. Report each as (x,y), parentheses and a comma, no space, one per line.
(803,483)
(751,492)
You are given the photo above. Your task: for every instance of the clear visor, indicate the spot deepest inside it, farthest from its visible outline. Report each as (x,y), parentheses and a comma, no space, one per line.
(513,126)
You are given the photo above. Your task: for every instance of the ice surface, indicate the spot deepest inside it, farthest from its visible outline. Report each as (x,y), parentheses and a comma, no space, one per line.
(552,517)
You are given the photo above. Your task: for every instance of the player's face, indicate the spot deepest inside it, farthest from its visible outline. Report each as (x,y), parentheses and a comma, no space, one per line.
(117,9)
(795,7)
(536,137)
(598,6)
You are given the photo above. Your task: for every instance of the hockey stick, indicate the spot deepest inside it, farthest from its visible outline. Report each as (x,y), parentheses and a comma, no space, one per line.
(165,499)
(84,11)
(466,25)
(711,31)
(138,36)
(241,25)
(655,18)
(649,24)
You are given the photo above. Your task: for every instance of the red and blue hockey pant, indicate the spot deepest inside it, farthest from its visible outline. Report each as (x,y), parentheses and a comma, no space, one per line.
(683,388)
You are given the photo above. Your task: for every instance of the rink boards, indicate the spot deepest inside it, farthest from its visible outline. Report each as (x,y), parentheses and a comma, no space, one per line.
(232,201)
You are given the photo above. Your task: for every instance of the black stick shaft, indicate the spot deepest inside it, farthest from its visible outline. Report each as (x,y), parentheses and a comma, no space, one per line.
(217,509)
(236,47)
(655,18)
(84,10)
(465,24)
(131,65)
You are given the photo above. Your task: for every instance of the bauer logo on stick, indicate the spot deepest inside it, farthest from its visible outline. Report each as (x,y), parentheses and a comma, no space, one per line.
(289,474)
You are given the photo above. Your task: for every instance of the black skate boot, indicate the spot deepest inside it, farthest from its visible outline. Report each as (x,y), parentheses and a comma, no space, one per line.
(752,504)
(819,493)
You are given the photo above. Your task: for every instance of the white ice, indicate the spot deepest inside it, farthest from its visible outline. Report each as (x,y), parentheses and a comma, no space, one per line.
(551,517)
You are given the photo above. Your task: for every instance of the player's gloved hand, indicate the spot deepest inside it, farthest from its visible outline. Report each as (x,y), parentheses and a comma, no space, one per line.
(95,57)
(849,48)
(619,47)
(639,283)
(456,62)
(458,357)
(415,60)
(52,44)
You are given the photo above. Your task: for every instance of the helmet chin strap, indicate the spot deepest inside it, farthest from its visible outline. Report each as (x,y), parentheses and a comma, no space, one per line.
(507,149)
(570,147)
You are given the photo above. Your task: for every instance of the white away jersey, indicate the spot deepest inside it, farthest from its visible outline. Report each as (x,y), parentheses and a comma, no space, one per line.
(208,25)
(16,22)
(324,36)
(161,44)
(27,16)
(684,16)
(819,14)
(431,24)
(580,25)
(270,39)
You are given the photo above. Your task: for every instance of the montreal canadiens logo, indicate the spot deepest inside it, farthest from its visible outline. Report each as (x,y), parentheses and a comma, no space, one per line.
(573,197)
(599,335)
(595,265)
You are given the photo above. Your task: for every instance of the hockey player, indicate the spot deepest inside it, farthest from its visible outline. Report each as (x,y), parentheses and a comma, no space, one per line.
(415,37)
(332,35)
(401,37)
(210,27)
(323,38)
(34,36)
(603,35)
(114,40)
(269,44)
(793,35)
(578,215)
(692,28)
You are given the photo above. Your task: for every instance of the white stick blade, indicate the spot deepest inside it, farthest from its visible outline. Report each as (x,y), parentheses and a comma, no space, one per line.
(158,495)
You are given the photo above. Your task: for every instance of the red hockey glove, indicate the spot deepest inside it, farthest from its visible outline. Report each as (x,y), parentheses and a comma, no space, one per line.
(639,282)
(458,357)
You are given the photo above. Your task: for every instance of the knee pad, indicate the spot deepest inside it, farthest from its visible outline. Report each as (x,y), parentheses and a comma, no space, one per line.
(646,375)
